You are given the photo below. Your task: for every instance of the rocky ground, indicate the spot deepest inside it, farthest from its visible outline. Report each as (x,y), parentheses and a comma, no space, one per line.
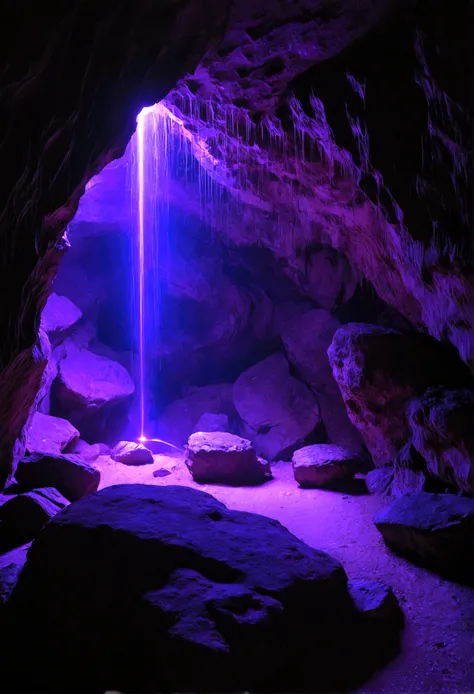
(437,646)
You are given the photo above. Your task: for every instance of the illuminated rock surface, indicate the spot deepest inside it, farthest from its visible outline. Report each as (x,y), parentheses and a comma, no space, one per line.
(324,465)
(435,530)
(93,392)
(71,475)
(48,434)
(223,458)
(131,453)
(278,411)
(179,579)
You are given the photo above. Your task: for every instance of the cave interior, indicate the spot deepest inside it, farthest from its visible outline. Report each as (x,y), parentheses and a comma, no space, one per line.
(237,365)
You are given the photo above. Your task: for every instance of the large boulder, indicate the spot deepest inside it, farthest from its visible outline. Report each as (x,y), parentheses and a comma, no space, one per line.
(441,424)
(306,337)
(71,475)
(324,465)
(59,316)
(223,458)
(23,516)
(180,418)
(379,371)
(176,593)
(434,530)
(86,451)
(278,410)
(131,453)
(48,434)
(212,422)
(94,393)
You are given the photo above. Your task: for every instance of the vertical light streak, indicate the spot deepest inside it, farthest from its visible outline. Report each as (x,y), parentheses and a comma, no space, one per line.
(141,270)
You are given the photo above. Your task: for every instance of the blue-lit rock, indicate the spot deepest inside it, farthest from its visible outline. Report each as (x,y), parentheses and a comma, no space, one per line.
(195,597)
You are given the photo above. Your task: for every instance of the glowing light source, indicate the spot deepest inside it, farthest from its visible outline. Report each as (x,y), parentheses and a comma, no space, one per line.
(158,127)
(141,266)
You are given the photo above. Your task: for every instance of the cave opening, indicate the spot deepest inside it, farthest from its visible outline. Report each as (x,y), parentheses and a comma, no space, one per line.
(237,385)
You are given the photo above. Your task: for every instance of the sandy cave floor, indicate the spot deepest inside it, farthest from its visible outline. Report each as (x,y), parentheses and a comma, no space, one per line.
(438,642)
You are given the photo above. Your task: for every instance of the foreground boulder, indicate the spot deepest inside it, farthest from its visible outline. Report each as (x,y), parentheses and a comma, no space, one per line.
(193,596)
(48,434)
(92,392)
(131,453)
(69,474)
(279,411)
(222,458)
(324,465)
(441,424)
(24,515)
(434,530)
(379,371)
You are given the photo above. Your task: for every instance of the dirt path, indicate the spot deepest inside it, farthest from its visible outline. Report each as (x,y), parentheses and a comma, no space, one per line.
(438,643)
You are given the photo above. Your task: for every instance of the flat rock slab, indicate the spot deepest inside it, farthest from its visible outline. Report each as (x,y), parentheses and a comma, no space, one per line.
(47,434)
(69,474)
(222,458)
(434,530)
(324,465)
(131,453)
(192,594)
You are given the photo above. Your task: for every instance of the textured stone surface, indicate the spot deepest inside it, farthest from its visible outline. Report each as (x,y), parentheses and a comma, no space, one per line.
(131,453)
(59,316)
(306,338)
(224,592)
(85,450)
(23,516)
(436,530)
(379,371)
(279,411)
(212,422)
(373,599)
(67,138)
(442,427)
(179,419)
(69,474)
(94,393)
(223,458)
(324,465)
(11,564)
(379,481)
(48,434)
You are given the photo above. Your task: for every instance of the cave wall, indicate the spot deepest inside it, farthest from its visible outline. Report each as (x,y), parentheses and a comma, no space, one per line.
(370,151)
(73,80)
